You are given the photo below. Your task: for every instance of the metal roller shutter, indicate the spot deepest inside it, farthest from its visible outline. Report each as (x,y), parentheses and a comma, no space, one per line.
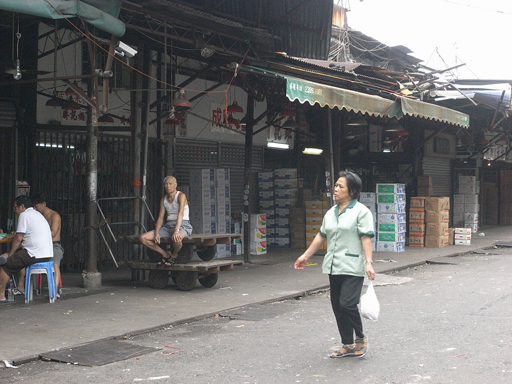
(441,172)
(7,114)
(208,154)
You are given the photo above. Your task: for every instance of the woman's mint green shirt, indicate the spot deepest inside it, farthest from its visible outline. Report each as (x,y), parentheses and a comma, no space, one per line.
(345,255)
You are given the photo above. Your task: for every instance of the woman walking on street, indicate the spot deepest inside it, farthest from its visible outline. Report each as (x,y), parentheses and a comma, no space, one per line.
(347,228)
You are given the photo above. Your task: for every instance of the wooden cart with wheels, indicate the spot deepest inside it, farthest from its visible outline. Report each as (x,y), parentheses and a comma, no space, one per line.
(185,275)
(204,245)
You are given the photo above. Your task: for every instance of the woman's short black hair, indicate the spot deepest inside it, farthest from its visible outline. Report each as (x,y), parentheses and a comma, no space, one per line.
(354,183)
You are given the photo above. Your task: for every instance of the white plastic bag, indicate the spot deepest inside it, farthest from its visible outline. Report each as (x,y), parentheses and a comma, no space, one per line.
(370,307)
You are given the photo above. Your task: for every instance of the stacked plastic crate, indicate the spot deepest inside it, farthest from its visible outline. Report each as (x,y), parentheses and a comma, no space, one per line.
(417,221)
(202,204)
(258,227)
(390,217)
(267,204)
(285,192)
(369,199)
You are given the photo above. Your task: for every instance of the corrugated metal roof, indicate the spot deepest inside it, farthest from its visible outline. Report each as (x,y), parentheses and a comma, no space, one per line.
(304,26)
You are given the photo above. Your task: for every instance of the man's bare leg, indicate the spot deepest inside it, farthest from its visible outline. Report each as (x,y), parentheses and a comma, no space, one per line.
(148,239)
(4,280)
(21,280)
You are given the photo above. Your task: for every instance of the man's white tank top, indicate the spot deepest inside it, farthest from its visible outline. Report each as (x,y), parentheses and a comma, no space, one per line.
(173,208)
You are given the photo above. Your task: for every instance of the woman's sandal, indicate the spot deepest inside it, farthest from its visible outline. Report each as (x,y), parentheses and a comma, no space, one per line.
(349,351)
(364,348)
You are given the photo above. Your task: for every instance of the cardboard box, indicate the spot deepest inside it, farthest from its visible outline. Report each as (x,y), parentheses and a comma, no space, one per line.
(313,204)
(434,241)
(460,236)
(468,190)
(258,234)
(434,229)
(367,197)
(424,181)
(462,242)
(390,188)
(471,199)
(285,173)
(458,207)
(417,240)
(470,218)
(473,227)
(390,236)
(391,227)
(390,198)
(391,218)
(266,176)
(434,216)
(467,180)
(314,220)
(426,191)
(451,234)
(258,247)
(458,199)
(417,227)
(391,208)
(388,246)
(417,202)
(437,203)
(417,215)
(471,208)
(258,220)
(463,231)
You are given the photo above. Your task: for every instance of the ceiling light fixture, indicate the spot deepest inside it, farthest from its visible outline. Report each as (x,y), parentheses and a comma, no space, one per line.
(181,103)
(312,151)
(271,144)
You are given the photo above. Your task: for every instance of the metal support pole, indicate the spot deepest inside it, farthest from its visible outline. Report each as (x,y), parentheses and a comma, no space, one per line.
(247,176)
(332,177)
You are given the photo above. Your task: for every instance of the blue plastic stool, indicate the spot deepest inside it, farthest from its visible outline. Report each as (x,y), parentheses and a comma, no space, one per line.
(38,268)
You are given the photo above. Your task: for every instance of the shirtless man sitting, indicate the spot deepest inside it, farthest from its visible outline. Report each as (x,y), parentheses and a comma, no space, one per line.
(53,218)
(172,222)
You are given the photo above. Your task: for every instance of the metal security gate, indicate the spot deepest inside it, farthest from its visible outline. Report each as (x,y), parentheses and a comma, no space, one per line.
(7,160)
(441,172)
(61,174)
(194,154)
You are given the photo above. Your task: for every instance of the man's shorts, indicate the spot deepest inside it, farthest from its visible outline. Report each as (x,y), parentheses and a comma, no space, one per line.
(19,260)
(168,228)
(58,252)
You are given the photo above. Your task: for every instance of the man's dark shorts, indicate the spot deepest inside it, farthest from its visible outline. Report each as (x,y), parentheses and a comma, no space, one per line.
(19,260)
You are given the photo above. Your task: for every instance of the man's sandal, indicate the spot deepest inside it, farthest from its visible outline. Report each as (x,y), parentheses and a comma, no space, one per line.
(363,348)
(166,262)
(349,351)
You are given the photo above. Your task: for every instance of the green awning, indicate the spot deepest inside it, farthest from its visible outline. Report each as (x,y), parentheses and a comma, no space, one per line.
(308,91)
(418,108)
(322,94)
(315,93)
(103,14)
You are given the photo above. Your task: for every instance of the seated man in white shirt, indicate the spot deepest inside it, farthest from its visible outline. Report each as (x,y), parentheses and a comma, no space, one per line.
(35,236)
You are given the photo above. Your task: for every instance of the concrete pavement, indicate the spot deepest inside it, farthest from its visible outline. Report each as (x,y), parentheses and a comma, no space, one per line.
(124,307)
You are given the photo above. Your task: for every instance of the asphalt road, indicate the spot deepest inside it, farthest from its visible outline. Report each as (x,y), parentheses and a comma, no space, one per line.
(439,323)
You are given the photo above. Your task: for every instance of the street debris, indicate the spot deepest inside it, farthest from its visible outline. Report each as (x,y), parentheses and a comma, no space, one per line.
(8,365)
(171,353)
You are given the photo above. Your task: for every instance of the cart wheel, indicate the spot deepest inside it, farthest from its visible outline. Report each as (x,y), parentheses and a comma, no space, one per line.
(210,280)
(158,279)
(185,254)
(207,254)
(186,280)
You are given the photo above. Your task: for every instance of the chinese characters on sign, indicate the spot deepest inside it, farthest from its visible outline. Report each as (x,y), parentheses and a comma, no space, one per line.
(79,116)
(280,135)
(219,125)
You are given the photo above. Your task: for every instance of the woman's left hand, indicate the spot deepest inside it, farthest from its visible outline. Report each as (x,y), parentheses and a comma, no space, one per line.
(369,271)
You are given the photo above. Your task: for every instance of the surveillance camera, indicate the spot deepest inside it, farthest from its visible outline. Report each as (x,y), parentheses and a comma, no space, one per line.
(126,49)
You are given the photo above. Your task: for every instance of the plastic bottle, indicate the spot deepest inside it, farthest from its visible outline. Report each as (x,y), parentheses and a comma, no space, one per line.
(10,292)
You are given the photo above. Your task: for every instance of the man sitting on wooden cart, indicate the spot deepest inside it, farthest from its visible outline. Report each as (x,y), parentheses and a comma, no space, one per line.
(174,207)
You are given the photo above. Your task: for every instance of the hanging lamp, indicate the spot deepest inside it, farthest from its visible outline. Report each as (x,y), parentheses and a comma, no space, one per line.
(181,103)
(235,108)
(105,119)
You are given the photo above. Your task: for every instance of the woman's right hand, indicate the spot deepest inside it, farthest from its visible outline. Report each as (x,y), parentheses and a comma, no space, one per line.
(300,263)
(157,238)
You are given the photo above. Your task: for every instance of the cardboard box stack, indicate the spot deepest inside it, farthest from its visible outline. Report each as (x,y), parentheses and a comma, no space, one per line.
(370,200)
(437,217)
(390,226)
(465,204)
(315,211)
(286,193)
(297,227)
(425,187)
(506,197)
(210,205)
(462,236)
(267,204)
(417,222)
(258,244)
